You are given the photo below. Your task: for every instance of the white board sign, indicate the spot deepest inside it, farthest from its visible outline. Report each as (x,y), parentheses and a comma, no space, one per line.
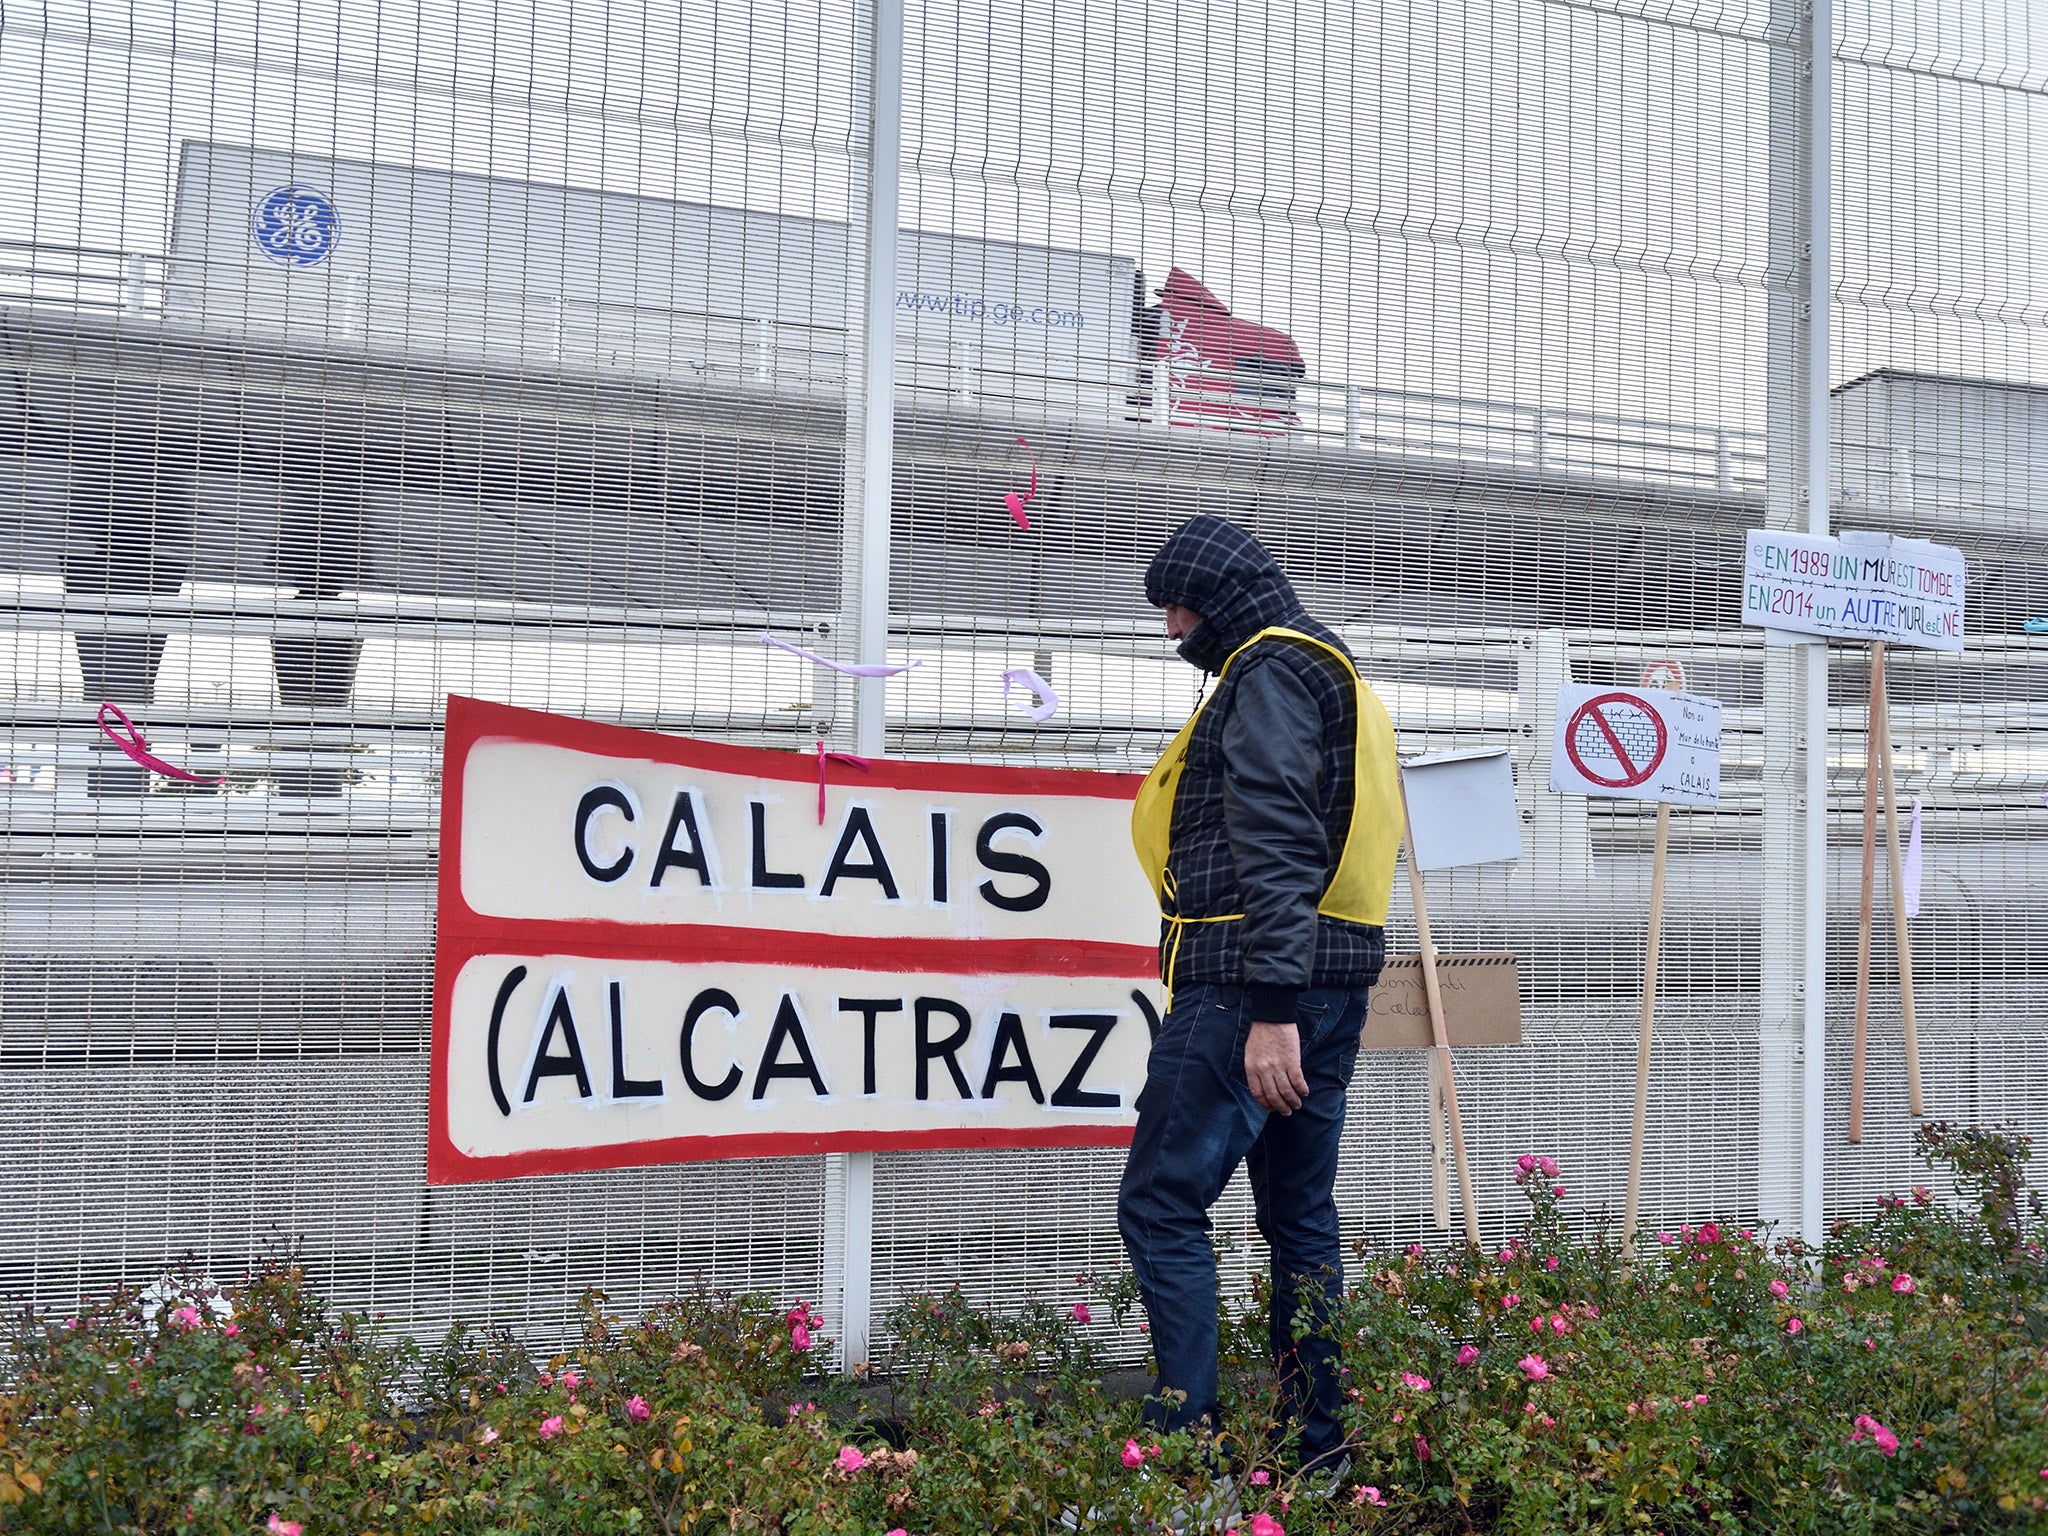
(1636,744)
(653,949)
(1461,809)
(1857,586)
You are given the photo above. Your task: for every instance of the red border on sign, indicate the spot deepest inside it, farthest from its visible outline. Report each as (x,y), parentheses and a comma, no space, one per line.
(463,934)
(1592,707)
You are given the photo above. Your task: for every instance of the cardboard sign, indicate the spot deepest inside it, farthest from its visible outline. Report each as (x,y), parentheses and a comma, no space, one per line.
(1636,744)
(1858,586)
(651,949)
(1482,1003)
(1461,808)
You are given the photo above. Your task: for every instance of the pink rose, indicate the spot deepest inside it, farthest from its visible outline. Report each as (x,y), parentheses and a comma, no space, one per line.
(849,1459)
(185,1319)
(1666,1237)
(1506,1256)
(637,1409)
(1793,1325)
(1558,1191)
(1526,1163)
(284,1527)
(1748,1233)
(571,1381)
(1081,1313)
(1550,1263)
(1534,1368)
(1415,1250)
(1903,1284)
(1709,1233)
(1468,1354)
(799,1337)
(1264,1524)
(1419,1383)
(1133,1456)
(1509,1302)
(1780,1289)
(489,1436)
(1261,1478)
(551,1426)
(1368,1494)
(1886,1442)
(1422,1447)
(1922,1195)
(1699,1400)
(1548,1165)
(232,1330)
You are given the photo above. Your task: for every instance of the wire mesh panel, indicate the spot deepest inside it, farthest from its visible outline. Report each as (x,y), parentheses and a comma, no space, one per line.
(1941,427)
(351,357)
(359,353)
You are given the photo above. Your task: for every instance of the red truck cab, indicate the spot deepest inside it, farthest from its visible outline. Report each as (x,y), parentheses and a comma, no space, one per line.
(1225,373)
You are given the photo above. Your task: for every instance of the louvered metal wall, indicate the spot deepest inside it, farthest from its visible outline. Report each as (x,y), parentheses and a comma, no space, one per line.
(353,353)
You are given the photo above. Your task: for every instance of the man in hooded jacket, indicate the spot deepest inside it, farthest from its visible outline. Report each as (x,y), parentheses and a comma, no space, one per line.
(1269,831)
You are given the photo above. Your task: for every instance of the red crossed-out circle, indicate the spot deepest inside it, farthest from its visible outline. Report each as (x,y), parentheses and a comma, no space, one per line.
(1620,726)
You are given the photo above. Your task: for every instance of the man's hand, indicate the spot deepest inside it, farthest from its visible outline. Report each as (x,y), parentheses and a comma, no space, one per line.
(1272,1065)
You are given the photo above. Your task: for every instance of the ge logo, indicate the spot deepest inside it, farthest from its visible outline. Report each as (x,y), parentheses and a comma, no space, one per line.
(295,226)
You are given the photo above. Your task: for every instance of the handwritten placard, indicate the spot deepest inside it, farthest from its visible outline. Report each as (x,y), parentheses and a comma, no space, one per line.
(1636,744)
(1482,1003)
(1858,586)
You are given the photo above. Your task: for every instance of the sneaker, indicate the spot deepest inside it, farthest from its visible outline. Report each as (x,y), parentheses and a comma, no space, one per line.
(1323,1479)
(1215,1510)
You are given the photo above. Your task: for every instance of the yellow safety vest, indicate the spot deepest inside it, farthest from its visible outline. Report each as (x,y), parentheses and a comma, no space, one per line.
(1363,883)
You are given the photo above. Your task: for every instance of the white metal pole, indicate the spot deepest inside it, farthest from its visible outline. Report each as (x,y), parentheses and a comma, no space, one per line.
(1819,294)
(867,548)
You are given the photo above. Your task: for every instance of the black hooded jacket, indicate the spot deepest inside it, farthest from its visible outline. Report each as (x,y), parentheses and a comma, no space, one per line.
(1265,799)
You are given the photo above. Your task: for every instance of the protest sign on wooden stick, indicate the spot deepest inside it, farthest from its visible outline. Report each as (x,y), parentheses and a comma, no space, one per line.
(1460,809)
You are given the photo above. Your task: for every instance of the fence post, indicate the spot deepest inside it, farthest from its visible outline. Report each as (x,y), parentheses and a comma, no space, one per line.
(763,353)
(1724,465)
(1541,433)
(864,593)
(1792,1045)
(134,289)
(1352,406)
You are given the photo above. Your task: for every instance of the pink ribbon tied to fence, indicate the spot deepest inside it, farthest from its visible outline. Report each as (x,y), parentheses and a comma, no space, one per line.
(1017,503)
(137,748)
(835,757)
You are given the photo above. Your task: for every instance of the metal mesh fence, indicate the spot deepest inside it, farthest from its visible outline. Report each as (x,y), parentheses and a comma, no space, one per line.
(354,353)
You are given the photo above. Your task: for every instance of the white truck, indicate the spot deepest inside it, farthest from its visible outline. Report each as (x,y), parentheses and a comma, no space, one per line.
(451,265)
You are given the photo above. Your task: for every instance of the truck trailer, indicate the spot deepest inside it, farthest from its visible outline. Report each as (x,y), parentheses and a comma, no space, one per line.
(450,265)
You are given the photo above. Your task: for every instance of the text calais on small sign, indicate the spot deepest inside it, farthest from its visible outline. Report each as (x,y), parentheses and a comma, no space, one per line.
(1636,744)
(651,949)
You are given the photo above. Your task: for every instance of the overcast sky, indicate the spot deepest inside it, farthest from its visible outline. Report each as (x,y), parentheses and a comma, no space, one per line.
(1533,200)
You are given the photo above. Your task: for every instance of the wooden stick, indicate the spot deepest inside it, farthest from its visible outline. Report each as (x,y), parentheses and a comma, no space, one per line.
(1443,1040)
(1872,730)
(1900,925)
(1439,1151)
(1642,1125)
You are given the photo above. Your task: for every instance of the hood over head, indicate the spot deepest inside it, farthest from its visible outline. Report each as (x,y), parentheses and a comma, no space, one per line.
(1226,576)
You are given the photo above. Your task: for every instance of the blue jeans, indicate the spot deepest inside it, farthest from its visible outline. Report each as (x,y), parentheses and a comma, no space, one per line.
(1197,1120)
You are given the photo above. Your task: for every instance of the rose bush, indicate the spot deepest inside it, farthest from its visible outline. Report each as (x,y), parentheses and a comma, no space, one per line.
(1548,1386)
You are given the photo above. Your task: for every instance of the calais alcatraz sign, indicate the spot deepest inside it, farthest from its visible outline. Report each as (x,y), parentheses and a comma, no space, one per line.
(654,949)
